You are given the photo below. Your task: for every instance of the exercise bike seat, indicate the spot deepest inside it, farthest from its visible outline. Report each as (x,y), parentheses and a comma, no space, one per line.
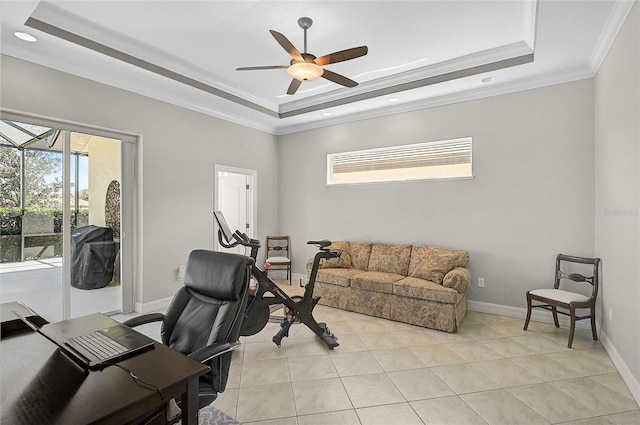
(321,244)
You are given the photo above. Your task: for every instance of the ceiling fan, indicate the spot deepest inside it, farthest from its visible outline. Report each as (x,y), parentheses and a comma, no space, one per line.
(305,66)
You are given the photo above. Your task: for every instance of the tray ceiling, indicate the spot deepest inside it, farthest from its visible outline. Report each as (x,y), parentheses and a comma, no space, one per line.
(421,53)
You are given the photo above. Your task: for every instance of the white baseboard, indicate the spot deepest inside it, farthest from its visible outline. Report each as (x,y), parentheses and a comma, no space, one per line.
(537,315)
(623,369)
(546,317)
(152,306)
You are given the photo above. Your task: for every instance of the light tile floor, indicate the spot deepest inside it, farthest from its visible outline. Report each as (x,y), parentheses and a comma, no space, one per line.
(384,372)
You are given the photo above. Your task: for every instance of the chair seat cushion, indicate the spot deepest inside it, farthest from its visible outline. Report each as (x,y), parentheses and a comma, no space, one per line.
(278,260)
(559,295)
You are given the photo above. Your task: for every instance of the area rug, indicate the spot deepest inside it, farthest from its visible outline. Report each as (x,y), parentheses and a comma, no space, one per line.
(211,416)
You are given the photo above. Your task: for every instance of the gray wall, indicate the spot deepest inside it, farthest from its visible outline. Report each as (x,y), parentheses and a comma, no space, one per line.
(617,191)
(531,198)
(176,161)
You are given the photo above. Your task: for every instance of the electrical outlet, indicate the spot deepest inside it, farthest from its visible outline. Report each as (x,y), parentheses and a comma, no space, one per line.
(181,273)
(481,282)
(610,313)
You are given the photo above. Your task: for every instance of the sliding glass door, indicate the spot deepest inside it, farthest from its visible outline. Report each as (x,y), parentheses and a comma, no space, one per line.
(60,216)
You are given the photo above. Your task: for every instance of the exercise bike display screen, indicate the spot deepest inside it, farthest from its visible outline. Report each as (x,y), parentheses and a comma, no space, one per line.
(228,234)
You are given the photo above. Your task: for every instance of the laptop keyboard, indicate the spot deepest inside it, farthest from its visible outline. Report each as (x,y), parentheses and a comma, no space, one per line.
(100,345)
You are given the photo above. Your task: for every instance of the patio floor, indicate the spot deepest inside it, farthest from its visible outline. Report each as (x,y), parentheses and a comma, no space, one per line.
(38,284)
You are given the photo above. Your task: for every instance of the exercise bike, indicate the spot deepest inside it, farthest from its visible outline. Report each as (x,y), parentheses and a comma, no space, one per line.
(267,297)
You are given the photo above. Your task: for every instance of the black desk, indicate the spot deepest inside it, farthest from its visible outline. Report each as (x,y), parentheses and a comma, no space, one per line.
(39,384)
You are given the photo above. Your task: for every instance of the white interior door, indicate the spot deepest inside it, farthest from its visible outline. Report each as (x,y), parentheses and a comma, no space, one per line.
(235,194)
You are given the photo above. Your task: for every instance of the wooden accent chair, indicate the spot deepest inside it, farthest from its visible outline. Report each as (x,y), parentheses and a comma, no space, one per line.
(555,298)
(279,253)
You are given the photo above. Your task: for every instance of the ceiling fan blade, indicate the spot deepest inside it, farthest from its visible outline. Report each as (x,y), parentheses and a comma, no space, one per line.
(286,45)
(255,68)
(342,55)
(339,79)
(293,87)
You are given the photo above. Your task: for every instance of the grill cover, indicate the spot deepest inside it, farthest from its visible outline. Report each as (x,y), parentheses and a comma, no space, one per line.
(93,253)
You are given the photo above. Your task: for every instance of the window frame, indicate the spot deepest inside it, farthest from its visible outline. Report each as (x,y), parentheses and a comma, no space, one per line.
(399,148)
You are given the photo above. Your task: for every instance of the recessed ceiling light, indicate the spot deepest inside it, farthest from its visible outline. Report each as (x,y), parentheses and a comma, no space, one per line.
(488,80)
(393,99)
(326,114)
(25,37)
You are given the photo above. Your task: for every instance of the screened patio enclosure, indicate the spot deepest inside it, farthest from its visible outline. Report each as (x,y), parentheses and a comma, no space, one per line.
(55,184)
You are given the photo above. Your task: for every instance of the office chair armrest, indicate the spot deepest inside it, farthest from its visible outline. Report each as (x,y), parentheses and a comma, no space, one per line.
(207,353)
(145,318)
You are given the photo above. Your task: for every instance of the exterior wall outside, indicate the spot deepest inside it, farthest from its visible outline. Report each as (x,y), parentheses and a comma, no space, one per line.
(104,166)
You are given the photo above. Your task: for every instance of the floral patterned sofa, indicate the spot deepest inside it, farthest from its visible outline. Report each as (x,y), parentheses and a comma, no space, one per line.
(420,285)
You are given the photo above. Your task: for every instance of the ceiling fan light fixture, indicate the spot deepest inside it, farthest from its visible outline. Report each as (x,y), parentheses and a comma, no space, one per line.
(305,71)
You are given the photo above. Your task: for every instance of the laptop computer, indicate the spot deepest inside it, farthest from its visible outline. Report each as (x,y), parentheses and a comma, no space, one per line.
(95,349)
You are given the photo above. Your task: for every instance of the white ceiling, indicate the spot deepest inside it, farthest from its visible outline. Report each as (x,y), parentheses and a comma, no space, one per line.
(422,53)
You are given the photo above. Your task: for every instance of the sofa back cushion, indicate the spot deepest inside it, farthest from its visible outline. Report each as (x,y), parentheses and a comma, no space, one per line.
(390,258)
(360,253)
(433,264)
(345,259)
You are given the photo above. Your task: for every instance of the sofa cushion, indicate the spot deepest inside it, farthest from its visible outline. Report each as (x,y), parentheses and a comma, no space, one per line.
(337,276)
(360,253)
(375,281)
(420,252)
(345,259)
(413,287)
(390,258)
(433,263)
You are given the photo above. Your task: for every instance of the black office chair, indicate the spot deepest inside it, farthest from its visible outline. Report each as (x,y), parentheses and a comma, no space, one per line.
(204,318)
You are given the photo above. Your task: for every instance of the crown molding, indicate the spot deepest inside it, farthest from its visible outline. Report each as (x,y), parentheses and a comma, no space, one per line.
(530,20)
(616,19)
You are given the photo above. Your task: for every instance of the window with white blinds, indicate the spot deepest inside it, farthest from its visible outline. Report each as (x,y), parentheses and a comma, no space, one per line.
(443,159)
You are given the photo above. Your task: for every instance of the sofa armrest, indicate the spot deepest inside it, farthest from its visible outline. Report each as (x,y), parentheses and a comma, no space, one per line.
(458,279)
